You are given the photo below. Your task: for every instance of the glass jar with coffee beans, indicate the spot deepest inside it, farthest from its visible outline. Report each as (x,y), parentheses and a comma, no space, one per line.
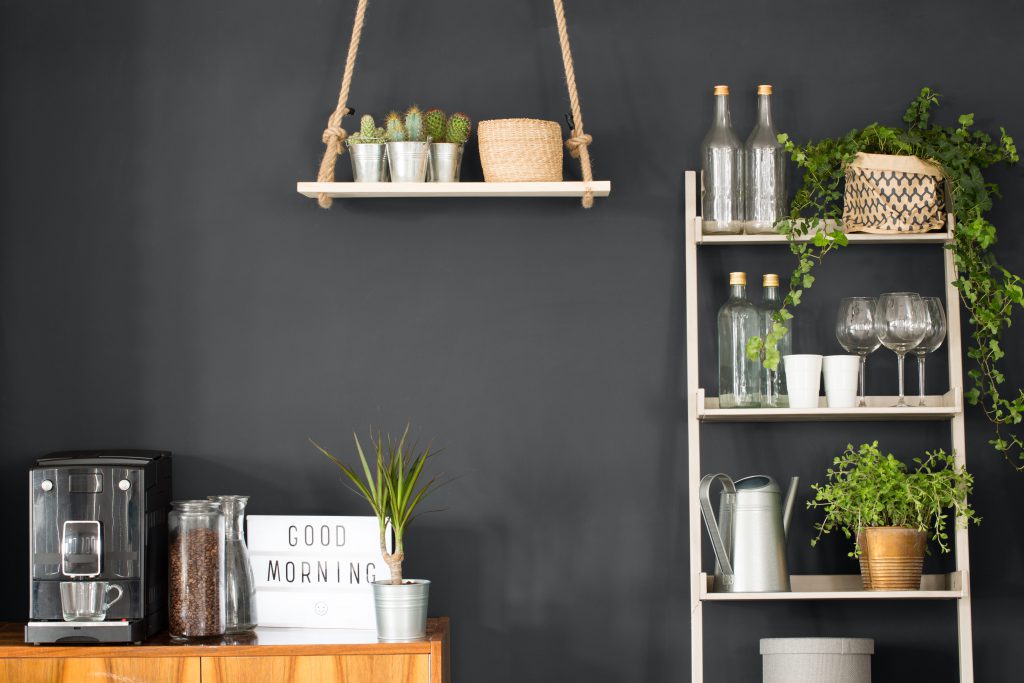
(196,569)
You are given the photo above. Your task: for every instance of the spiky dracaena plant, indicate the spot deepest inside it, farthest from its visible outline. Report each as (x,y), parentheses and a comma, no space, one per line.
(391,489)
(394,128)
(414,124)
(458,128)
(434,121)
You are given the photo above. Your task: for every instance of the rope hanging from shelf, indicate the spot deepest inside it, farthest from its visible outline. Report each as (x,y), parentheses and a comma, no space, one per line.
(334,134)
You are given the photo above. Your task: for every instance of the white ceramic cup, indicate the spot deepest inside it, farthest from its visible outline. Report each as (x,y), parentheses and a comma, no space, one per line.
(841,375)
(803,379)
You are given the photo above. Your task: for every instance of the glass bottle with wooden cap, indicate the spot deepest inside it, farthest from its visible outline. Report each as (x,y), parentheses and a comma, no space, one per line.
(764,172)
(739,378)
(773,382)
(722,166)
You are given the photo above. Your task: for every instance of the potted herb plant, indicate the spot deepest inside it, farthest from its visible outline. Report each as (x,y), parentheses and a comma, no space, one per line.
(408,146)
(394,487)
(367,150)
(447,137)
(892,510)
(988,291)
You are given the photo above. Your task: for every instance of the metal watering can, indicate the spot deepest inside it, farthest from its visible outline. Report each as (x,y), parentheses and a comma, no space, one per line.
(749,536)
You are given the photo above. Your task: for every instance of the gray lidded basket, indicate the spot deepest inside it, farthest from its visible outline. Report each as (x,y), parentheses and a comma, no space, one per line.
(817,660)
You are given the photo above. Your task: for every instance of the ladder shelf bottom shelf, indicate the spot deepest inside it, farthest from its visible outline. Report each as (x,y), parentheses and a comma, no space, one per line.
(353,190)
(844,587)
(878,409)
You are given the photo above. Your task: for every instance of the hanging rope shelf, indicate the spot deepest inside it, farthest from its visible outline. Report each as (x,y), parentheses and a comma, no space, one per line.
(325,190)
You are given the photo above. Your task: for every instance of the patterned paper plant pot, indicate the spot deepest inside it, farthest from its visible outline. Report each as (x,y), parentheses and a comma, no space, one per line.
(887,193)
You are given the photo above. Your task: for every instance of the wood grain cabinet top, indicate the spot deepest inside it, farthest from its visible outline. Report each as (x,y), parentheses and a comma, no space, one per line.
(268,656)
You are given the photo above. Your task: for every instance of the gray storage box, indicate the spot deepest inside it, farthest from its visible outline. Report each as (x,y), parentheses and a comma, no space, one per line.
(817,660)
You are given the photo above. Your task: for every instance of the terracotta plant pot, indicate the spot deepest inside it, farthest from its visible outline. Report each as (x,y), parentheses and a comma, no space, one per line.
(891,558)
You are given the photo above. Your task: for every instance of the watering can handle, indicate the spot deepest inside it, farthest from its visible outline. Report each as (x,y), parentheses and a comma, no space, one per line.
(711,523)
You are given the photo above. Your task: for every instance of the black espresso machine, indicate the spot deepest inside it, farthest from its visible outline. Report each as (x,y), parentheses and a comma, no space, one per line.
(99,518)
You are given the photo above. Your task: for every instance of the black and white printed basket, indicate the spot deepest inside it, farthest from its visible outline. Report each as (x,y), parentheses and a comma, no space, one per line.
(888,193)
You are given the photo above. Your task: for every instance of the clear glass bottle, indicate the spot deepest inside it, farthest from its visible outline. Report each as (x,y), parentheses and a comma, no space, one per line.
(239,584)
(722,166)
(773,382)
(739,378)
(195,575)
(764,171)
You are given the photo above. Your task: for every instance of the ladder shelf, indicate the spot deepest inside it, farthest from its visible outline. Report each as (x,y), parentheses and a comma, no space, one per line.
(703,409)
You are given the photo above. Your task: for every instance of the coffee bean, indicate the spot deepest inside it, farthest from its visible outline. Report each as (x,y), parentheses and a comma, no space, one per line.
(195,578)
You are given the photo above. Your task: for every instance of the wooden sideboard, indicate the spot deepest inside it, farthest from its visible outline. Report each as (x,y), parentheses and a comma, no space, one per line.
(268,656)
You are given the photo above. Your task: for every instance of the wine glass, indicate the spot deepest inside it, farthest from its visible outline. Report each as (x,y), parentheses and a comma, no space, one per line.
(932,339)
(901,321)
(855,331)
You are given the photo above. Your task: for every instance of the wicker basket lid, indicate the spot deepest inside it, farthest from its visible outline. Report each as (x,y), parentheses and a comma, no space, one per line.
(817,646)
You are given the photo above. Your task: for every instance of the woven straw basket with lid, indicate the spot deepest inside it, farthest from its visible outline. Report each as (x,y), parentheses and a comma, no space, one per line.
(520,150)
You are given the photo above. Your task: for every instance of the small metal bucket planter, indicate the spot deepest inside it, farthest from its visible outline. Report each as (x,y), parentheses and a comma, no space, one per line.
(408,161)
(445,162)
(369,162)
(401,608)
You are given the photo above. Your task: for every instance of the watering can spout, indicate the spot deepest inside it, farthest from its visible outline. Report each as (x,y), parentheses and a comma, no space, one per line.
(787,505)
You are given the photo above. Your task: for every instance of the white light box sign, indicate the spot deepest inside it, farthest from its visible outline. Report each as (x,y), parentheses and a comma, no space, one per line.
(315,572)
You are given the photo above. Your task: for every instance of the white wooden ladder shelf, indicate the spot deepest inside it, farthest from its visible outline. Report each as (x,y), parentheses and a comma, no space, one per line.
(702,409)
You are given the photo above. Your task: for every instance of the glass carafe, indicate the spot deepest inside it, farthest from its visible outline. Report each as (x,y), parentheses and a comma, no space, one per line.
(773,382)
(764,171)
(722,166)
(739,378)
(239,585)
(195,577)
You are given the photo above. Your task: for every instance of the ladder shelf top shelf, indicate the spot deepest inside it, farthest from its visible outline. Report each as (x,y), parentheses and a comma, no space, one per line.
(352,190)
(935,237)
(878,409)
(844,587)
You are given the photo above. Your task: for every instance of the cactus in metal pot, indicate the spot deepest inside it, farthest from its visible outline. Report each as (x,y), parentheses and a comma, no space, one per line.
(434,122)
(458,128)
(414,124)
(395,129)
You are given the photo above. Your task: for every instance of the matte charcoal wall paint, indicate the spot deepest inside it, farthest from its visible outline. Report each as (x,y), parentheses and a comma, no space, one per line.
(163,286)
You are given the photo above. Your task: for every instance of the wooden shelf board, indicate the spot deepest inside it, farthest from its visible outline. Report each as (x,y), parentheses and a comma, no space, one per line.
(938,237)
(844,587)
(879,409)
(601,188)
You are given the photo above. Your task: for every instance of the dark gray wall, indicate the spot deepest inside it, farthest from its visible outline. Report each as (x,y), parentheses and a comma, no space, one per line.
(162,285)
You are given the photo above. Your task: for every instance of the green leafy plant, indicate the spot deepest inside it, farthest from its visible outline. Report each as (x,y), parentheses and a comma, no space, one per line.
(866,489)
(989,292)
(390,488)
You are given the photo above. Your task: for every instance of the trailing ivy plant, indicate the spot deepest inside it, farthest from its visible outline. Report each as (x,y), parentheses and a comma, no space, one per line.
(989,292)
(866,489)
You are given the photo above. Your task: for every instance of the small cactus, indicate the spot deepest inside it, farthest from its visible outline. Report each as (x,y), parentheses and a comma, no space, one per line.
(369,133)
(395,129)
(458,128)
(434,121)
(414,124)
(367,127)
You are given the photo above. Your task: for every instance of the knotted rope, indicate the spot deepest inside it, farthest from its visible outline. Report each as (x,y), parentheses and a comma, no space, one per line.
(579,141)
(334,135)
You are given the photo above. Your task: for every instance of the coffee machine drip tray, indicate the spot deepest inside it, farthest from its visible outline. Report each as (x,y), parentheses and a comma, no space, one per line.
(121,631)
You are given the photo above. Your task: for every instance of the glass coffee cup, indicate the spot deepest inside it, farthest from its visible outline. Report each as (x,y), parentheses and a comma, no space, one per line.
(87,600)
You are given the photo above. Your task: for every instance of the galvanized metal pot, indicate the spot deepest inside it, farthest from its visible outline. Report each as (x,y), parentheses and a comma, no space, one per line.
(408,161)
(401,608)
(369,162)
(445,162)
